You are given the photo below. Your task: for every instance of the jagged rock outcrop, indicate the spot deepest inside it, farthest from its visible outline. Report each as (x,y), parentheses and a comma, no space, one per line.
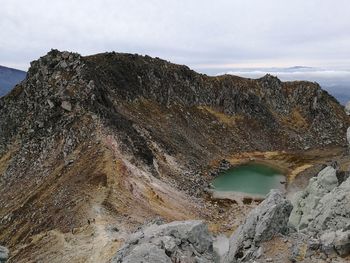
(182,241)
(305,202)
(322,213)
(333,210)
(263,223)
(4,254)
(323,205)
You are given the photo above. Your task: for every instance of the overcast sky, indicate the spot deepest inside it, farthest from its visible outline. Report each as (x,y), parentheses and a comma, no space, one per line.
(209,36)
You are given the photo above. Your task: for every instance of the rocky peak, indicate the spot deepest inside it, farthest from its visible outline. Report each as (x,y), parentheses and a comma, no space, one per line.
(51,98)
(57,72)
(270,81)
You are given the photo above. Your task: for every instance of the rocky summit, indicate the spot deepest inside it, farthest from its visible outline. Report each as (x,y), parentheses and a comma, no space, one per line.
(108,158)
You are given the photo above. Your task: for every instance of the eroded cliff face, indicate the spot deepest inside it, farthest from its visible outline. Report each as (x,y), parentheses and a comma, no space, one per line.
(117,137)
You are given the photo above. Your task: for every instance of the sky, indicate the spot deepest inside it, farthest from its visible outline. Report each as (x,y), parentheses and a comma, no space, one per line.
(209,36)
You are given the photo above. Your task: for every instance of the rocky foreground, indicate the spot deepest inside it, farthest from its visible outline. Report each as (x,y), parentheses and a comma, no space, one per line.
(93,147)
(317,227)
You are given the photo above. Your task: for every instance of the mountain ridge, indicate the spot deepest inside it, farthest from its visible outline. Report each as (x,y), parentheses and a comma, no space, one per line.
(122,138)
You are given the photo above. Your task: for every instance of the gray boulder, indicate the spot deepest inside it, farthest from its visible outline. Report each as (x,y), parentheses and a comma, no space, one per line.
(305,202)
(4,254)
(323,205)
(264,222)
(146,253)
(66,105)
(179,241)
(322,213)
(336,242)
(332,212)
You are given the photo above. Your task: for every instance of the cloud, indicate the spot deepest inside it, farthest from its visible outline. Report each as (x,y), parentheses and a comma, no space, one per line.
(193,32)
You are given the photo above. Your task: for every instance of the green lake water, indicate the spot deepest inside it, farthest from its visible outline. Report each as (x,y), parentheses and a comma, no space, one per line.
(251,178)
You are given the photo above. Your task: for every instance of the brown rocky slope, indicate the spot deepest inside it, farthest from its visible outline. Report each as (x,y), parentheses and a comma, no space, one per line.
(117,139)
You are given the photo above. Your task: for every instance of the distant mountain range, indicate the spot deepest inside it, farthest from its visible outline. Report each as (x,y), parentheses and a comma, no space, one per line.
(9,77)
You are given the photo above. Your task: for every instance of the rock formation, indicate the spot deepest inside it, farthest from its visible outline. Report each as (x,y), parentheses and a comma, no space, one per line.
(322,213)
(262,224)
(179,241)
(305,201)
(190,241)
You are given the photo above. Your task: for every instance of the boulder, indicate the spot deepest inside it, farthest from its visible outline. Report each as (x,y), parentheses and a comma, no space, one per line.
(336,242)
(332,212)
(305,201)
(264,222)
(66,105)
(146,253)
(4,254)
(322,213)
(179,241)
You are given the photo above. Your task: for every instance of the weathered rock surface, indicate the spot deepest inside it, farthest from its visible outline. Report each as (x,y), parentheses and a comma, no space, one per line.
(336,242)
(322,214)
(264,222)
(179,241)
(333,210)
(4,254)
(305,202)
(323,205)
